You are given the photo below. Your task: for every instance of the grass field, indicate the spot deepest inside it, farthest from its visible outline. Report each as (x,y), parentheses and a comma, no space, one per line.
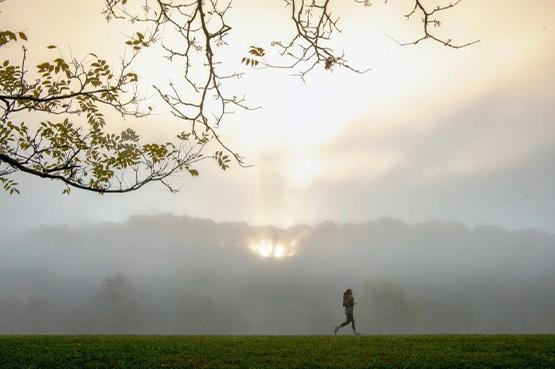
(49,352)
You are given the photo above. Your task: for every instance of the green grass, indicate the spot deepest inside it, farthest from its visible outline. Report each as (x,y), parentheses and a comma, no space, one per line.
(49,352)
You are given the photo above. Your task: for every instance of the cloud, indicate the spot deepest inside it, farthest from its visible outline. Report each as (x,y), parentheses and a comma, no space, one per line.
(486,161)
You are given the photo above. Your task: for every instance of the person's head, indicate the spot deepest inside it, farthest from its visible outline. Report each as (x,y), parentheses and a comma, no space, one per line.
(348,292)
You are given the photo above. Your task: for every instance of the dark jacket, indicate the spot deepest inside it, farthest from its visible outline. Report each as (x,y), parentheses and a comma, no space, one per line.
(349,303)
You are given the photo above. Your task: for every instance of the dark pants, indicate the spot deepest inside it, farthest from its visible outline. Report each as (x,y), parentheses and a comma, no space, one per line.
(350,319)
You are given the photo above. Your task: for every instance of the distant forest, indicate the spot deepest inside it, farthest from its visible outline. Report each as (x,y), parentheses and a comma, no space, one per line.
(178,275)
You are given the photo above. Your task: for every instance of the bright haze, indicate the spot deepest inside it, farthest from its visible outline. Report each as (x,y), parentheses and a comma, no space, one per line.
(177,275)
(425,184)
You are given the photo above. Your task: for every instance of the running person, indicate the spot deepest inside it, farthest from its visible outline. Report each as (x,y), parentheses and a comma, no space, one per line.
(349,303)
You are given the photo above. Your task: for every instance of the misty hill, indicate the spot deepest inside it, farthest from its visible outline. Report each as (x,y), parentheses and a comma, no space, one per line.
(167,274)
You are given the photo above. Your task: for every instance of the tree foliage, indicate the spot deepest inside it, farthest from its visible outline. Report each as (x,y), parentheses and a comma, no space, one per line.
(68,138)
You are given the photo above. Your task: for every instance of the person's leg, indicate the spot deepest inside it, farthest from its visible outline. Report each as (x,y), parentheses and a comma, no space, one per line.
(342,324)
(351,319)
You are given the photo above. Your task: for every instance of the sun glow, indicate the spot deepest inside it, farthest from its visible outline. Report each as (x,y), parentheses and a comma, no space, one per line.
(269,249)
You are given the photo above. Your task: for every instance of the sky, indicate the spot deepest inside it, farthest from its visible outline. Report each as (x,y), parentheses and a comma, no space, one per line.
(430,133)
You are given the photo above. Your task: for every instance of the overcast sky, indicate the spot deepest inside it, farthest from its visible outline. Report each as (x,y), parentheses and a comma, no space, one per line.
(429,133)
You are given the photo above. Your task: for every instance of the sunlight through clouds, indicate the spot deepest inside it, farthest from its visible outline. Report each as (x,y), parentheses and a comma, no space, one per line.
(266,248)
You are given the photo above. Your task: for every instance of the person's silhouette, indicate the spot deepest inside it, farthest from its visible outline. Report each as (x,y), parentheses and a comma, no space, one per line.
(349,303)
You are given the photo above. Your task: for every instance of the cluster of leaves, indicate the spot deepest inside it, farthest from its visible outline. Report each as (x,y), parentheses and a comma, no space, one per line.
(81,154)
(9,185)
(137,42)
(222,159)
(8,36)
(255,54)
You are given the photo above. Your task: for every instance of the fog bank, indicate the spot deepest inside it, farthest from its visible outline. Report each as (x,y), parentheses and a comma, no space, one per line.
(178,275)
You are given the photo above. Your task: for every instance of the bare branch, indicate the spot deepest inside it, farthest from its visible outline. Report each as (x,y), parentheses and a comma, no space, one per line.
(428,22)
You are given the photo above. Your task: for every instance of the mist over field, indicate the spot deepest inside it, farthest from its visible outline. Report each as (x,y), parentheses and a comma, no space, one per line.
(178,275)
